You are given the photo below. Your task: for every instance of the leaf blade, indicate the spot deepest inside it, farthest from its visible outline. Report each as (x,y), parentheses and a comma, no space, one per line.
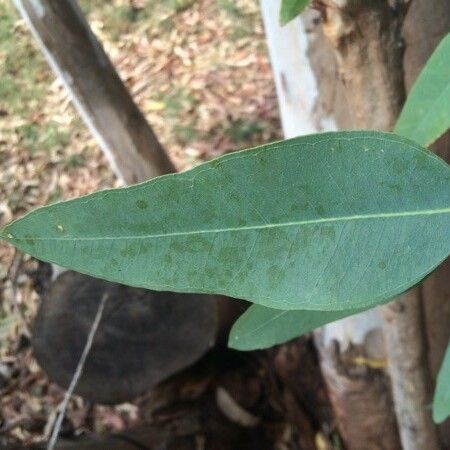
(260,327)
(441,401)
(426,113)
(265,224)
(290,9)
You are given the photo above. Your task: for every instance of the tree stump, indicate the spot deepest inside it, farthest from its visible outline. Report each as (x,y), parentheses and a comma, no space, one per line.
(143,338)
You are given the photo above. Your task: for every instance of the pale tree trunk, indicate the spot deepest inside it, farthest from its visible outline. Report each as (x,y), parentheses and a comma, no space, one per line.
(295,80)
(367,59)
(95,88)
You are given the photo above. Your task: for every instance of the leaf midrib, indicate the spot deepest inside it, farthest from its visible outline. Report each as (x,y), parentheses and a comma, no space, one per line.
(244,228)
(262,325)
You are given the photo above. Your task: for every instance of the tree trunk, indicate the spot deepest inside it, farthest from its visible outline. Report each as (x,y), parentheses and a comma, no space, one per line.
(426,24)
(77,57)
(312,99)
(411,384)
(368,60)
(369,48)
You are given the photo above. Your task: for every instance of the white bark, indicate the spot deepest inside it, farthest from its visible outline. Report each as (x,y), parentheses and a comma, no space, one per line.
(294,78)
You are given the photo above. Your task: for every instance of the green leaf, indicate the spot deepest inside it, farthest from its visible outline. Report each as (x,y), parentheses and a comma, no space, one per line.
(324,222)
(290,9)
(260,327)
(441,402)
(426,114)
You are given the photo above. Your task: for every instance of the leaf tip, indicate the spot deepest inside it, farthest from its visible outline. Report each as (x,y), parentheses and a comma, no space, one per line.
(235,344)
(438,415)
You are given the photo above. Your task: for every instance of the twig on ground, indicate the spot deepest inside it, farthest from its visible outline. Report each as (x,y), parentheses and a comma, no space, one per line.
(76,376)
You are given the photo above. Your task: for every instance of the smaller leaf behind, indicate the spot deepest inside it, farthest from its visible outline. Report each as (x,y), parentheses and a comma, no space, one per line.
(426,114)
(441,402)
(290,9)
(260,327)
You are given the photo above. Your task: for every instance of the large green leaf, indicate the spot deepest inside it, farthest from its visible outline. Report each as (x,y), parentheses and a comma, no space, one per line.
(426,114)
(441,403)
(330,221)
(290,9)
(261,327)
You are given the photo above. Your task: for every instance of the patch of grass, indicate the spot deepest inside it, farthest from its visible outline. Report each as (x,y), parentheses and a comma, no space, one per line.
(243,21)
(240,32)
(229,7)
(116,20)
(179,112)
(178,6)
(120,19)
(43,137)
(23,68)
(24,79)
(74,161)
(6,22)
(9,92)
(177,101)
(55,136)
(240,131)
(29,136)
(185,134)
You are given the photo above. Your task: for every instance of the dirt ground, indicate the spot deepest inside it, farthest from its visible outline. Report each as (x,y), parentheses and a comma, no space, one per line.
(200,72)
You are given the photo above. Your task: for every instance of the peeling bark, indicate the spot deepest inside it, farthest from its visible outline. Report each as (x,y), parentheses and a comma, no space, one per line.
(366,37)
(360,393)
(288,53)
(353,363)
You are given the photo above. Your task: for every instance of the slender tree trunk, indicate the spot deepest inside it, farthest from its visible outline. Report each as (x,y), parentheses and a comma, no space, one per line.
(411,383)
(294,78)
(426,24)
(78,58)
